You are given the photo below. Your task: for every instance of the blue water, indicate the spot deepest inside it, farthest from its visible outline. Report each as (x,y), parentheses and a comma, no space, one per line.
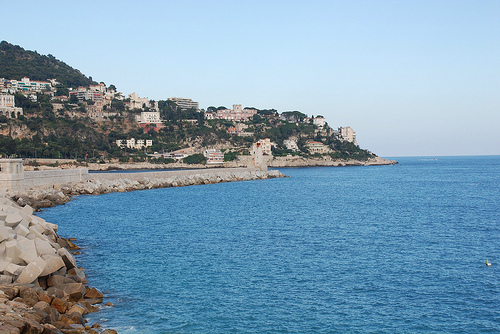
(389,249)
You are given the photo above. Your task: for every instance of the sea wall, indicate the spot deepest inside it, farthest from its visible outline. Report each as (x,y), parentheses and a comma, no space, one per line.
(42,290)
(13,177)
(100,183)
(49,178)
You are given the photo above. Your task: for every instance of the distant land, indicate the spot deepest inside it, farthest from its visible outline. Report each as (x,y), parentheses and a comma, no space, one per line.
(49,110)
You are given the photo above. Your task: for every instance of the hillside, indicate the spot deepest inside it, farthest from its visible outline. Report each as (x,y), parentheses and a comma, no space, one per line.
(16,62)
(87,122)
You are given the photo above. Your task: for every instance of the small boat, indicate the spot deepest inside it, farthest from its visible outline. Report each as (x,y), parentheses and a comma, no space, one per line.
(487,263)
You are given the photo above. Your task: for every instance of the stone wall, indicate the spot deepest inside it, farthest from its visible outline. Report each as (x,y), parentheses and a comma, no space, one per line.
(14,178)
(49,178)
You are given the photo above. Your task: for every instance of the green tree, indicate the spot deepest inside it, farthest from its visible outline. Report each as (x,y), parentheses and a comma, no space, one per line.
(195,159)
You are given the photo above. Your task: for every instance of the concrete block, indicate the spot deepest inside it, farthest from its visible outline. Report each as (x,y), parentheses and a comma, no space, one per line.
(21,230)
(26,211)
(4,233)
(14,269)
(52,227)
(25,222)
(28,250)
(5,279)
(68,258)
(53,264)
(13,219)
(13,251)
(38,227)
(4,263)
(32,271)
(43,247)
(37,234)
(35,220)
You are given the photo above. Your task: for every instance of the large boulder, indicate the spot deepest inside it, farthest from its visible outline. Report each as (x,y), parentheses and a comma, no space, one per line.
(55,280)
(59,304)
(74,290)
(93,296)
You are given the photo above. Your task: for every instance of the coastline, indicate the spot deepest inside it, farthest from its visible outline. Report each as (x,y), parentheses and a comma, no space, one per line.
(240,162)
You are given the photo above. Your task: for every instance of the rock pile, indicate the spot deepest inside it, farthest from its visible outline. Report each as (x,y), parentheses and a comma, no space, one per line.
(41,288)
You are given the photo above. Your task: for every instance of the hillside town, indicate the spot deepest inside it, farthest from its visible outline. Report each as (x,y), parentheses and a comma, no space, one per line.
(103,104)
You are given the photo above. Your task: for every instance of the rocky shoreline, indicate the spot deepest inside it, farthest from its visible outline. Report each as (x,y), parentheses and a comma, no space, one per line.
(42,291)
(326,161)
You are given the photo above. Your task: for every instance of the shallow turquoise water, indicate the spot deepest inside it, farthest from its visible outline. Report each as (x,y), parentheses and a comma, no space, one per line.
(389,249)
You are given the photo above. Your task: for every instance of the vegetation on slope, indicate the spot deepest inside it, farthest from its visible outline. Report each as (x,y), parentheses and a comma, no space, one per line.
(55,129)
(16,63)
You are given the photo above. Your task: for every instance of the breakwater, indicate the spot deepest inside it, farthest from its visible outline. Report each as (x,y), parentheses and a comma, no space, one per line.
(100,183)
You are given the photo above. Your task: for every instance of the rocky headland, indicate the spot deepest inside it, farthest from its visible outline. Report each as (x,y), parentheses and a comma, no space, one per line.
(326,161)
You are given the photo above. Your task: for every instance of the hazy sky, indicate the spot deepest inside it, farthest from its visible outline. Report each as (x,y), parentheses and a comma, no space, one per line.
(410,77)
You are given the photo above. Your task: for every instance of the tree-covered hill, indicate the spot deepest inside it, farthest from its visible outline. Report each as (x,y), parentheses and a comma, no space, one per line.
(16,62)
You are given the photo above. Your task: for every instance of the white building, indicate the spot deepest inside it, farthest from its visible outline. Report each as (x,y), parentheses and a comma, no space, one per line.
(132,143)
(98,88)
(184,104)
(214,156)
(236,114)
(137,102)
(319,122)
(265,145)
(7,106)
(317,147)
(291,144)
(26,85)
(149,117)
(348,134)
(83,94)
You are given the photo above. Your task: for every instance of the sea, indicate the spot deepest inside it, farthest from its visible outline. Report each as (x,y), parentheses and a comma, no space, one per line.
(379,249)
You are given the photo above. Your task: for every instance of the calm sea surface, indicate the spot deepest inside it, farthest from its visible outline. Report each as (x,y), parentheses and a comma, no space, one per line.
(390,249)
